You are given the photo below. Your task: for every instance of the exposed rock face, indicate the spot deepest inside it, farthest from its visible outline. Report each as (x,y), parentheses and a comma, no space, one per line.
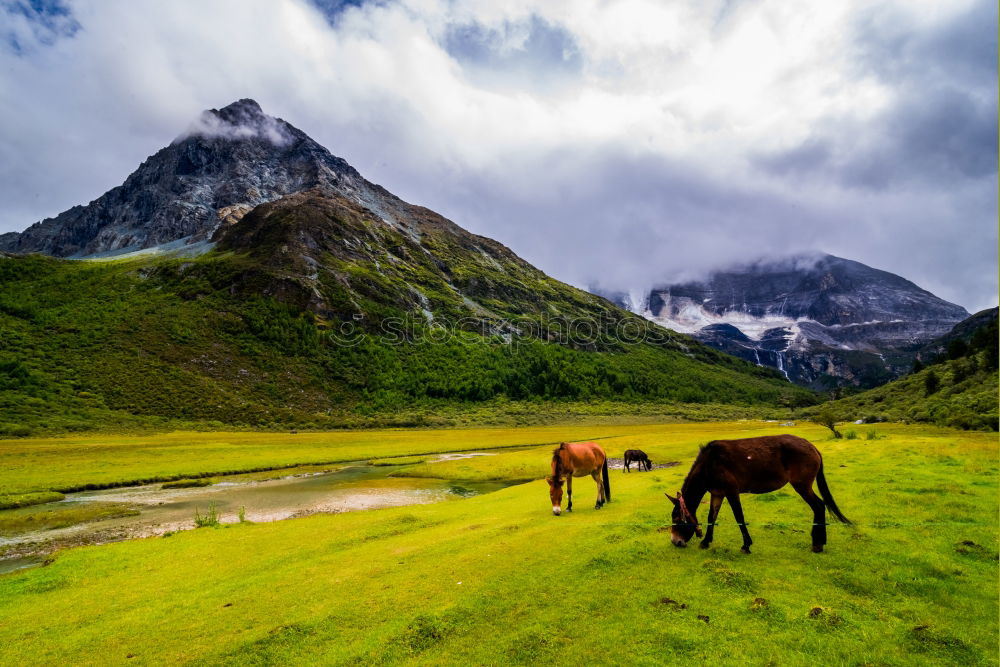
(822,321)
(963,331)
(229,161)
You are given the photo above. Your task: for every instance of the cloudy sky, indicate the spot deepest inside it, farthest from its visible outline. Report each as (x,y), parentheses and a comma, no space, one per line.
(623,143)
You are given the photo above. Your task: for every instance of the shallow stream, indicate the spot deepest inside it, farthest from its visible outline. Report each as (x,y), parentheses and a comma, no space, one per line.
(294,492)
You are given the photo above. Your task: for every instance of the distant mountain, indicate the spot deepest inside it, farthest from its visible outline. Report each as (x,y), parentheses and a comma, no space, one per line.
(270,284)
(821,320)
(959,389)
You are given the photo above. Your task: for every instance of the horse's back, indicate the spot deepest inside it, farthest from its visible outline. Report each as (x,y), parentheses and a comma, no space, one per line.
(579,447)
(584,456)
(786,446)
(764,463)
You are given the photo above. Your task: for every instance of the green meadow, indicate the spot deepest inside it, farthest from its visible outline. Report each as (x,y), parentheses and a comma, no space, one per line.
(496,579)
(46,465)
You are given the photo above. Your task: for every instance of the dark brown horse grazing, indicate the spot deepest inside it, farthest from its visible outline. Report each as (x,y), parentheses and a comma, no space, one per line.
(577,459)
(639,457)
(727,468)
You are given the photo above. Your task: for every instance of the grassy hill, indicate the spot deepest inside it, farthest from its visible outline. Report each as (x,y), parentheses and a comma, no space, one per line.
(229,338)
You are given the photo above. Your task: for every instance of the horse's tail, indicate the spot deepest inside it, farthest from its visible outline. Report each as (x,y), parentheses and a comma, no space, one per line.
(607,482)
(824,491)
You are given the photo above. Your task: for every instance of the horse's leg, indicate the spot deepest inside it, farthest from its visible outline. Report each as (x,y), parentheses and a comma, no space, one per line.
(734,502)
(805,490)
(626,465)
(600,488)
(569,493)
(713,514)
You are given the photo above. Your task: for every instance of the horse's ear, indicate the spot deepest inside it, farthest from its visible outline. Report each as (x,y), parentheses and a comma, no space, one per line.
(672,499)
(548,479)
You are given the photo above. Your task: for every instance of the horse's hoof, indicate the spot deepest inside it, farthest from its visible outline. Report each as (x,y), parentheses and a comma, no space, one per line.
(745,550)
(704,545)
(817,548)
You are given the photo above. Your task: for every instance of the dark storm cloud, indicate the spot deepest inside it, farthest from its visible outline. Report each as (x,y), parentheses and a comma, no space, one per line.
(628,221)
(810,157)
(940,125)
(937,136)
(962,49)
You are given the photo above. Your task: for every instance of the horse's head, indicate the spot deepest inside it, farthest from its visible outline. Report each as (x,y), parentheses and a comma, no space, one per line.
(555,493)
(683,524)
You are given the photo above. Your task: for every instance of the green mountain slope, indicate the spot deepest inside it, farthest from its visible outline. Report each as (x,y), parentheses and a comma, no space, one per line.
(301,317)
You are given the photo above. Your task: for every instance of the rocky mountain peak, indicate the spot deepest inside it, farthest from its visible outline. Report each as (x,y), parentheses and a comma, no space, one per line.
(227,162)
(240,111)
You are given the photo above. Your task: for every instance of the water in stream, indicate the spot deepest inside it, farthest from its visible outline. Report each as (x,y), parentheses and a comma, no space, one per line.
(349,487)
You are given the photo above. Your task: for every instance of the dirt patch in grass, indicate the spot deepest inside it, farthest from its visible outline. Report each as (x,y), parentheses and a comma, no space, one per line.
(670,603)
(976,551)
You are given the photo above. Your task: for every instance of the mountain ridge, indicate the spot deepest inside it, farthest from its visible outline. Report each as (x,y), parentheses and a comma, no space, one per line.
(823,321)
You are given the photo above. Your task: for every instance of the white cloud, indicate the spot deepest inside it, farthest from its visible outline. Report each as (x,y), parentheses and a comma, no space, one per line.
(210,125)
(662,138)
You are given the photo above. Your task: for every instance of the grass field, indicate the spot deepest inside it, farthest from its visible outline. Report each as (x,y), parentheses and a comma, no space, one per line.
(496,579)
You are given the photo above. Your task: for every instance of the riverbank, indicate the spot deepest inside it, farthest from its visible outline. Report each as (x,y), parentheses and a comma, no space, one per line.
(123,513)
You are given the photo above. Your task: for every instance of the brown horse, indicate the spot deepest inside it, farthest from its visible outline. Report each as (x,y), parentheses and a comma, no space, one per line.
(727,468)
(577,459)
(638,456)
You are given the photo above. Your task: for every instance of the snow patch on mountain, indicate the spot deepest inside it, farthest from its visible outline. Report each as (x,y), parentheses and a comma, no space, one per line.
(683,315)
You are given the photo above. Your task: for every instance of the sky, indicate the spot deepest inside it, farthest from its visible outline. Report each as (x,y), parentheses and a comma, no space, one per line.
(615,143)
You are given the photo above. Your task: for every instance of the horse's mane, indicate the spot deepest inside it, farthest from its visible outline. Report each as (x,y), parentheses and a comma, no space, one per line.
(557,462)
(704,452)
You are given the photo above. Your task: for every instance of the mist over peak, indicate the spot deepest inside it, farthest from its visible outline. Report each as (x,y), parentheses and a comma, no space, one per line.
(241,120)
